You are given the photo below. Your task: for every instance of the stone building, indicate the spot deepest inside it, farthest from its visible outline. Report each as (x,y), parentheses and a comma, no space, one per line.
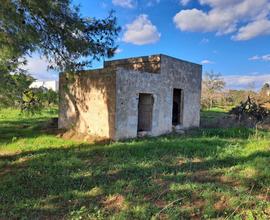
(150,95)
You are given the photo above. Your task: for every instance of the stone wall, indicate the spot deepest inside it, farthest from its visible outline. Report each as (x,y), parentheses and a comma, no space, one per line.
(104,102)
(149,64)
(174,74)
(188,77)
(87,102)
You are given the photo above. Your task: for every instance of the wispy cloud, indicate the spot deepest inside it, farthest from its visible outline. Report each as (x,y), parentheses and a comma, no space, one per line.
(265,57)
(243,81)
(125,3)
(204,41)
(205,62)
(118,50)
(151,3)
(184,2)
(141,31)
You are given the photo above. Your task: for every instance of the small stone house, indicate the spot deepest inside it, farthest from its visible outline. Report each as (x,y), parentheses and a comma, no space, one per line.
(146,95)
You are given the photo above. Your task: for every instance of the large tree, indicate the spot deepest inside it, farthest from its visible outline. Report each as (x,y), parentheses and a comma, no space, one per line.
(55,29)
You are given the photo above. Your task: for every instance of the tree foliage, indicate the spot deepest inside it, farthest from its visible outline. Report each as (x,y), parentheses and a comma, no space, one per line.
(56,29)
(235,97)
(31,103)
(264,94)
(36,99)
(15,92)
(12,88)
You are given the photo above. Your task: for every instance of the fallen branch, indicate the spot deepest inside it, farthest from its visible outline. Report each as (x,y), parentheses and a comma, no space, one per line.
(162,193)
(167,206)
(242,203)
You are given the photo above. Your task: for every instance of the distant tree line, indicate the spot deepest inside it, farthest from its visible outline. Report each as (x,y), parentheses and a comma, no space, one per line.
(214,93)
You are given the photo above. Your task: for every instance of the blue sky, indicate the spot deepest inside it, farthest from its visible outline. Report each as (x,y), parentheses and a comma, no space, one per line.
(227,36)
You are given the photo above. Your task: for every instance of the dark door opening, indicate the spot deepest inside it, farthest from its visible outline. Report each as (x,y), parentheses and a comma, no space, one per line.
(145,111)
(177,116)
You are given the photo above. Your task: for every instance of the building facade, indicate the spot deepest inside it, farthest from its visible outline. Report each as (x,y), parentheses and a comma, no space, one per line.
(52,84)
(150,95)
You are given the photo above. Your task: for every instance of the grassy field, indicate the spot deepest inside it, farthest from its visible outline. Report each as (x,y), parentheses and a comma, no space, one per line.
(215,173)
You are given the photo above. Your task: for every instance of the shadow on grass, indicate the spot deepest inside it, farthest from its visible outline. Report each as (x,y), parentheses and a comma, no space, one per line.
(11,130)
(59,182)
(134,179)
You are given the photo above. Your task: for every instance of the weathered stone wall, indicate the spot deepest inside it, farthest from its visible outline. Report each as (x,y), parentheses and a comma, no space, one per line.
(104,102)
(174,74)
(188,77)
(87,102)
(149,64)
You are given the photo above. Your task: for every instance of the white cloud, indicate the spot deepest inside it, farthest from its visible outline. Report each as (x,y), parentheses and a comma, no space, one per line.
(103,5)
(254,58)
(205,62)
(253,29)
(37,67)
(141,31)
(245,18)
(118,50)
(243,81)
(204,41)
(184,2)
(265,57)
(125,3)
(151,3)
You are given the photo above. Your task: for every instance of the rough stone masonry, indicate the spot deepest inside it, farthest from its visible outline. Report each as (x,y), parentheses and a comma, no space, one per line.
(146,95)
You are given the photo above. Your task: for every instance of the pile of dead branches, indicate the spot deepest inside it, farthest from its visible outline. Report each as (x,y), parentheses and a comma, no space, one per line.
(250,109)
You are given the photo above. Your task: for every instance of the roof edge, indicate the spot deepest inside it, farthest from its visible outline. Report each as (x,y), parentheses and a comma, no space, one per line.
(144,59)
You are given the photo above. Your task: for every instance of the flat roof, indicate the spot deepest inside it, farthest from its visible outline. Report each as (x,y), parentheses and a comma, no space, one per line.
(155,58)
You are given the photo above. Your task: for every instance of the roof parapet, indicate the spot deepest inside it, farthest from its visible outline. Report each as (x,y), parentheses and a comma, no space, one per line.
(149,64)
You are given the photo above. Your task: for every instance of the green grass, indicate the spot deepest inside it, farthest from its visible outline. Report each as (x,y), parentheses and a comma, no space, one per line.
(210,114)
(214,173)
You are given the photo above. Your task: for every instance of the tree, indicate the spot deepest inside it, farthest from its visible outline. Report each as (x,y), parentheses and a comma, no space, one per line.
(56,29)
(265,90)
(12,88)
(212,85)
(51,97)
(264,94)
(234,97)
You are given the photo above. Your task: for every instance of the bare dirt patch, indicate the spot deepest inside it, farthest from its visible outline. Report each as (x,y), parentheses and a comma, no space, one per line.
(160,203)
(73,135)
(115,202)
(203,176)
(6,170)
(196,206)
(221,204)
(14,167)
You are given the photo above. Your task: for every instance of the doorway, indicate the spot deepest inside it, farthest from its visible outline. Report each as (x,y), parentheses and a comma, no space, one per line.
(145,112)
(177,110)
